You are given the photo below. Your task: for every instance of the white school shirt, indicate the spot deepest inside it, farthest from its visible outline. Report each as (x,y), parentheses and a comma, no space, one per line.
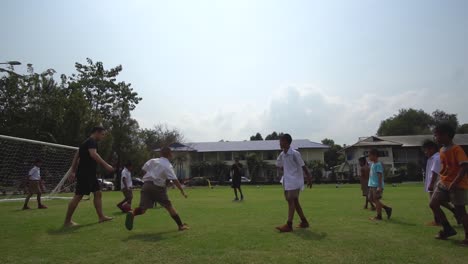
(35,174)
(293,175)
(159,171)
(433,165)
(128,178)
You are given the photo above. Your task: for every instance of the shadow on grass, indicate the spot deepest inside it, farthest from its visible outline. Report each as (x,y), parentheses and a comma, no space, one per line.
(309,235)
(150,237)
(399,222)
(68,230)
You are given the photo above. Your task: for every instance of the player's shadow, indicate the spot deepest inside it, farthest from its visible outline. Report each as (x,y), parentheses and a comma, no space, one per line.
(68,230)
(309,235)
(399,222)
(151,237)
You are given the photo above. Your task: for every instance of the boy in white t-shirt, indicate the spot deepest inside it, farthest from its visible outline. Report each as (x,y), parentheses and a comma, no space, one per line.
(126,184)
(34,185)
(293,167)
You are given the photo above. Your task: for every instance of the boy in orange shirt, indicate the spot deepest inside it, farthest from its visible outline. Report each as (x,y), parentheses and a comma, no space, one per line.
(453,184)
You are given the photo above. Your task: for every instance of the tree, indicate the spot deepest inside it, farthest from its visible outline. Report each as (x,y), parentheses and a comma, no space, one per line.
(332,155)
(257,137)
(316,169)
(274,136)
(463,129)
(406,122)
(255,165)
(159,136)
(221,171)
(440,116)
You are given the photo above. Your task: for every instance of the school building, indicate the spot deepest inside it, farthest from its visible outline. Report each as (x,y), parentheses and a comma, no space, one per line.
(399,154)
(204,159)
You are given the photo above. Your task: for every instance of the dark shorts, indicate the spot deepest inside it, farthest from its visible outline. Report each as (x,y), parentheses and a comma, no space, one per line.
(457,196)
(375,195)
(34,187)
(291,194)
(86,184)
(151,193)
(236,183)
(128,194)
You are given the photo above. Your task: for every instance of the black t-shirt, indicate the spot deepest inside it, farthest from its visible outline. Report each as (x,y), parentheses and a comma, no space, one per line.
(236,171)
(87,165)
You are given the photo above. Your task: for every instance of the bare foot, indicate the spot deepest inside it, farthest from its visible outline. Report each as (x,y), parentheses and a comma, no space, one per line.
(70,224)
(184,227)
(105,219)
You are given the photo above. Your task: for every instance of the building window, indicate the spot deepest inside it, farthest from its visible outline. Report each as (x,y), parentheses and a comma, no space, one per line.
(270,155)
(382,153)
(227,156)
(240,155)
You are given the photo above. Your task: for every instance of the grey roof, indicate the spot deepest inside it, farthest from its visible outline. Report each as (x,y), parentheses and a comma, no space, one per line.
(374,142)
(260,145)
(405,141)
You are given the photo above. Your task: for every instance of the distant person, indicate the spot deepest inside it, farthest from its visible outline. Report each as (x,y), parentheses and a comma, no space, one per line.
(376,185)
(157,173)
(34,185)
(126,185)
(364,179)
(293,168)
(236,172)
(453,183)
(84,165)
(433,167)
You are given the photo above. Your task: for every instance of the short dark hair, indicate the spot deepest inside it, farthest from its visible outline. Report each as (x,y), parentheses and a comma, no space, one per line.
(287,137)
(374,152)
(97,129)
(362,159)
(429,144)
(37,160)
(445,129)
(128,164)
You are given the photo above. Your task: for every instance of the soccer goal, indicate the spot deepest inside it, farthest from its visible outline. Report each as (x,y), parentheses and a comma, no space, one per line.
(17,156)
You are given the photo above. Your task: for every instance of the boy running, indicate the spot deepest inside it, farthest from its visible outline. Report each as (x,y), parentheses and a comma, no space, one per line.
(236,171)
(126,185)
(293,167)
(84,165)
(376,185)
(364,178)
(431,151)
(453,183)
(34,185)
(157,173)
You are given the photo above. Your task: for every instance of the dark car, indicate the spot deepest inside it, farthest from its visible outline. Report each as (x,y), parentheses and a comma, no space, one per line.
(197,181)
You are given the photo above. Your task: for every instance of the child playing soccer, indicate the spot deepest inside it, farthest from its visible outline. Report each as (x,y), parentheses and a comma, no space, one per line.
(376,185)
(236,171)
(453,183)
(293,167)
(431,151)
(364,179)
(157,173)
(126,184)
(34,185)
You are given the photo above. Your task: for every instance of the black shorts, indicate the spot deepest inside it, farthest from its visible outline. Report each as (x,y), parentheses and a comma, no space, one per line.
(86,184)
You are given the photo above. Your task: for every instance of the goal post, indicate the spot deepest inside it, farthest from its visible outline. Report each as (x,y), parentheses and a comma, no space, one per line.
(17,157)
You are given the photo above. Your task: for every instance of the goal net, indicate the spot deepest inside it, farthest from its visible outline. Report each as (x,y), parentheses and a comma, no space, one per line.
(17,156)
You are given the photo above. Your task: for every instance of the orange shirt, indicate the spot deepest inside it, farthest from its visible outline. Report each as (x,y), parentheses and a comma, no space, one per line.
(452,160)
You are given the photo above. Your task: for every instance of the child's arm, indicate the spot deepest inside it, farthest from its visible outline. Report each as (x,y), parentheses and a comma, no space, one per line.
(125,182)
(380,181)
(177,184)
(307,174)
(463,173)
(435,176)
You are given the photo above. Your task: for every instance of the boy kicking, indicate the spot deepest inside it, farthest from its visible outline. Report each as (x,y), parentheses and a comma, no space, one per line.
(364,179)
(293,167)
(126,185)
(34,185)
(453,183)
(376,185)
(157,173)
(85,165)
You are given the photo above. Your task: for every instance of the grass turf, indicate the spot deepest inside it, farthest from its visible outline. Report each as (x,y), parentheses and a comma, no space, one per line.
(233,232)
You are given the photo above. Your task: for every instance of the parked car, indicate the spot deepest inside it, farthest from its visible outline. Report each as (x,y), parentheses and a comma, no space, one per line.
(106,185)
(197,181)
(137,182)
(243,180)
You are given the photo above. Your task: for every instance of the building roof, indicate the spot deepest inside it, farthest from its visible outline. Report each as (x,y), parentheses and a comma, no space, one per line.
(374,142)
(404,141)
(260,145)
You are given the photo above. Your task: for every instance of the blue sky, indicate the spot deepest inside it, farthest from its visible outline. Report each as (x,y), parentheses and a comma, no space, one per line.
(227,69)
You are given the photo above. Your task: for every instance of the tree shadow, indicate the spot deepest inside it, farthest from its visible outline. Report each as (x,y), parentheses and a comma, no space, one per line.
(68,230)
(309,235)
(150,237)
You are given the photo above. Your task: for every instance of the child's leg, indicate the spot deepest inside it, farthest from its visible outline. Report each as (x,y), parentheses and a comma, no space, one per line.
(26,201)
(235,193)
(39,204)
(299,210)
(291,211)
(441,196)
(461,212)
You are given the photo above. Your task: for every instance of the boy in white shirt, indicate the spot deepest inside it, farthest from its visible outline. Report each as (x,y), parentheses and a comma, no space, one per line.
(34,185)
(126,185)
(157,173)
(293,167)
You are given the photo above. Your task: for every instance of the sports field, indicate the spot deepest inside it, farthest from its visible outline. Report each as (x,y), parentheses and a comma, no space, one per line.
(233,232)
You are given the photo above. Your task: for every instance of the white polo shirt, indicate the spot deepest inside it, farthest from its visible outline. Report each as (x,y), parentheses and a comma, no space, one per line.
(293,175)
(159,171)
(126,178)
(35,174)
(433,165)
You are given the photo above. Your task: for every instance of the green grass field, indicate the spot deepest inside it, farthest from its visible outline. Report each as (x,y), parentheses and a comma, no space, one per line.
(228,232)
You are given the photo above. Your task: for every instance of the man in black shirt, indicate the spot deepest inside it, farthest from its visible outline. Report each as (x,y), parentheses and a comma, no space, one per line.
(236,172)
(83,169)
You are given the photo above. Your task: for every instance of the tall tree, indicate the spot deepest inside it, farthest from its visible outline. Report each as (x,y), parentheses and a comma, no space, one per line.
(274,136)
(406,122)
(159,136)
(463,129)
(440,116)
(332,155)
(256,137)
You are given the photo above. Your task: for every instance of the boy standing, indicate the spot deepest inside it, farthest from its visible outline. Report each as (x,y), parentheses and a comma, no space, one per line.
(364,179)
(453,183)
(431,151)
(157,173)
(236,171)
(293,167)
(85,165)
(376,185)
(126,185)
(34,185)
